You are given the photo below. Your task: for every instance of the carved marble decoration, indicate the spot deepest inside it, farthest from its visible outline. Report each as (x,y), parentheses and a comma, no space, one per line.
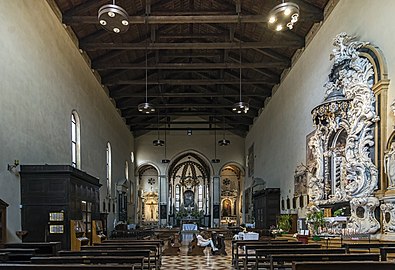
(362,218)
(393,107)
(388,211)
(344,169)
(389,165)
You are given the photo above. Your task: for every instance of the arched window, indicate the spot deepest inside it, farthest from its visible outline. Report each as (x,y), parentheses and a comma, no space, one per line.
(127,170)
(75,140)
(177,197)
(200,197)
(108,165)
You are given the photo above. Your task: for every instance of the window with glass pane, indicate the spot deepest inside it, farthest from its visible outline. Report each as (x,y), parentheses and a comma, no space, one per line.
(200,197)
(73,140)
(177,197)
(108,165)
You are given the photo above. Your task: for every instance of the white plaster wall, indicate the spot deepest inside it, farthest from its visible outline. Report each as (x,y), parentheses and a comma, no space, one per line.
(42,79)
(280,132)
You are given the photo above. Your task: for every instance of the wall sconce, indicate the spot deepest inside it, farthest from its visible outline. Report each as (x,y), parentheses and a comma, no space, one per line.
(13,167)
(189,132)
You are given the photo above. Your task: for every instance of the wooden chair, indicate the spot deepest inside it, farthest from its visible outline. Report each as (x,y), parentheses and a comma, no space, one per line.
(194,248)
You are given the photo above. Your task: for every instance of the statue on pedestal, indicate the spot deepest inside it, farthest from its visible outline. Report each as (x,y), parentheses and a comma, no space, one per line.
(389,165)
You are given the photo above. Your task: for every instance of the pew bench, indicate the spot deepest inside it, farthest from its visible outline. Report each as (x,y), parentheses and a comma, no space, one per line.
(369,265)
(65,267)
(102,260)
(154,258)
(284,260)
(262,255)
(384,251)
(146,253)
(366,246)
(254,244)
(42,248)
(249,248)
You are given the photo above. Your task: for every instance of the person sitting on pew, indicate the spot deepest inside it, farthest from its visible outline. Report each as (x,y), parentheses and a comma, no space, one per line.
(205,242)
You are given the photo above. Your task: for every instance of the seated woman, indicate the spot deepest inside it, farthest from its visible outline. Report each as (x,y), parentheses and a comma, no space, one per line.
(205,242)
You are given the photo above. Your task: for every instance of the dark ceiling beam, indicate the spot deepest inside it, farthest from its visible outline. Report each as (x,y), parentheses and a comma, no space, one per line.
(93,46)
(85,7)
(133,112)
(194,36)
(129,94)
(138,122)
(189,128)
(187,82)
(194,12)
(131,66)
(176,19)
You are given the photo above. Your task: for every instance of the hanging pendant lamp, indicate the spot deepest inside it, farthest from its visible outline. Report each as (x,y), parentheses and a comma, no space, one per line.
(240,107)
(283,16)
(158,142)
(165,160)
(113,18)
(146,107)
(224,142)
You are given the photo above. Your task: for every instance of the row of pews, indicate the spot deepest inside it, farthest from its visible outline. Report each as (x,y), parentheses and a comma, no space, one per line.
(285,254)
(110,254)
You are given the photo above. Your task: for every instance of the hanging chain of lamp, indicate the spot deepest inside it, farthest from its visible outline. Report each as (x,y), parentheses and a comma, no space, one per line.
(113,18)
(240,107)
(283,16)
(146,107)
(224,142)
(158,142)
(215,159)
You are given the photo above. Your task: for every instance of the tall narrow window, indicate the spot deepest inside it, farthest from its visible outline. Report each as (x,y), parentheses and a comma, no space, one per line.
(127,170)
(177,198)
(108,164)
(200,197)
(75,140)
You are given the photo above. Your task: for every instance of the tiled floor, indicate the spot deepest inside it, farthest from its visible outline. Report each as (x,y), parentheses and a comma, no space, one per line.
(207,262)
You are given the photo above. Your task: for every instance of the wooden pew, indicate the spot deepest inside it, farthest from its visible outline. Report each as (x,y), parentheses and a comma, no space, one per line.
(279,260)
(252,246)
(103,260)
(262,255)
(384,251)
(43,248)
(19,255)
(236,244)
(64,267)
(343,265)
(134,242)
(146,253)
(3,256)
(153,248)
(368,246)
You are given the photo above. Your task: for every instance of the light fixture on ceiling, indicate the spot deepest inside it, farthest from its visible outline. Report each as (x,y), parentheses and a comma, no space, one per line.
(113,18)
(146,107)
(240,107)
(224,142)
(158,142)
(283,16)
(215,159)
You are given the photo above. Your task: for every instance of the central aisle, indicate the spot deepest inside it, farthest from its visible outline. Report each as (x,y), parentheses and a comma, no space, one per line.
(207,262)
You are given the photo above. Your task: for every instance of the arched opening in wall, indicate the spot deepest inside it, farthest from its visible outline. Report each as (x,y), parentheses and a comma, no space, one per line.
(75,140)
(232,178)
(337,163)
(380,85)
(189,186)
(148,196)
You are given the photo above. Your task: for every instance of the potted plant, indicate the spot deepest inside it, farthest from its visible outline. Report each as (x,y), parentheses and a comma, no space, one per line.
(315,219)
(284,222)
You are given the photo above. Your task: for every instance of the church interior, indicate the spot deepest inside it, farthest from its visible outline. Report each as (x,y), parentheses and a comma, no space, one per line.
(197,134)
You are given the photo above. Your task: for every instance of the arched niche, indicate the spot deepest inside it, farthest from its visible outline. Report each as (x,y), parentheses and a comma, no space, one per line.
(189,176)
(232,183)
(148,195)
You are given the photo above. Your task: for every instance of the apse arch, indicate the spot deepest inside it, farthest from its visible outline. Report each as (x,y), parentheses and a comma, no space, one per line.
(191,152)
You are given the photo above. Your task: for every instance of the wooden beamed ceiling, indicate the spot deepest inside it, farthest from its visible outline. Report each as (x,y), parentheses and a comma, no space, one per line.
(193,51)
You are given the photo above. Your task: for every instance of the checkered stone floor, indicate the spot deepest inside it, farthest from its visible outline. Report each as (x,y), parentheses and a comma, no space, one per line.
(207,262)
